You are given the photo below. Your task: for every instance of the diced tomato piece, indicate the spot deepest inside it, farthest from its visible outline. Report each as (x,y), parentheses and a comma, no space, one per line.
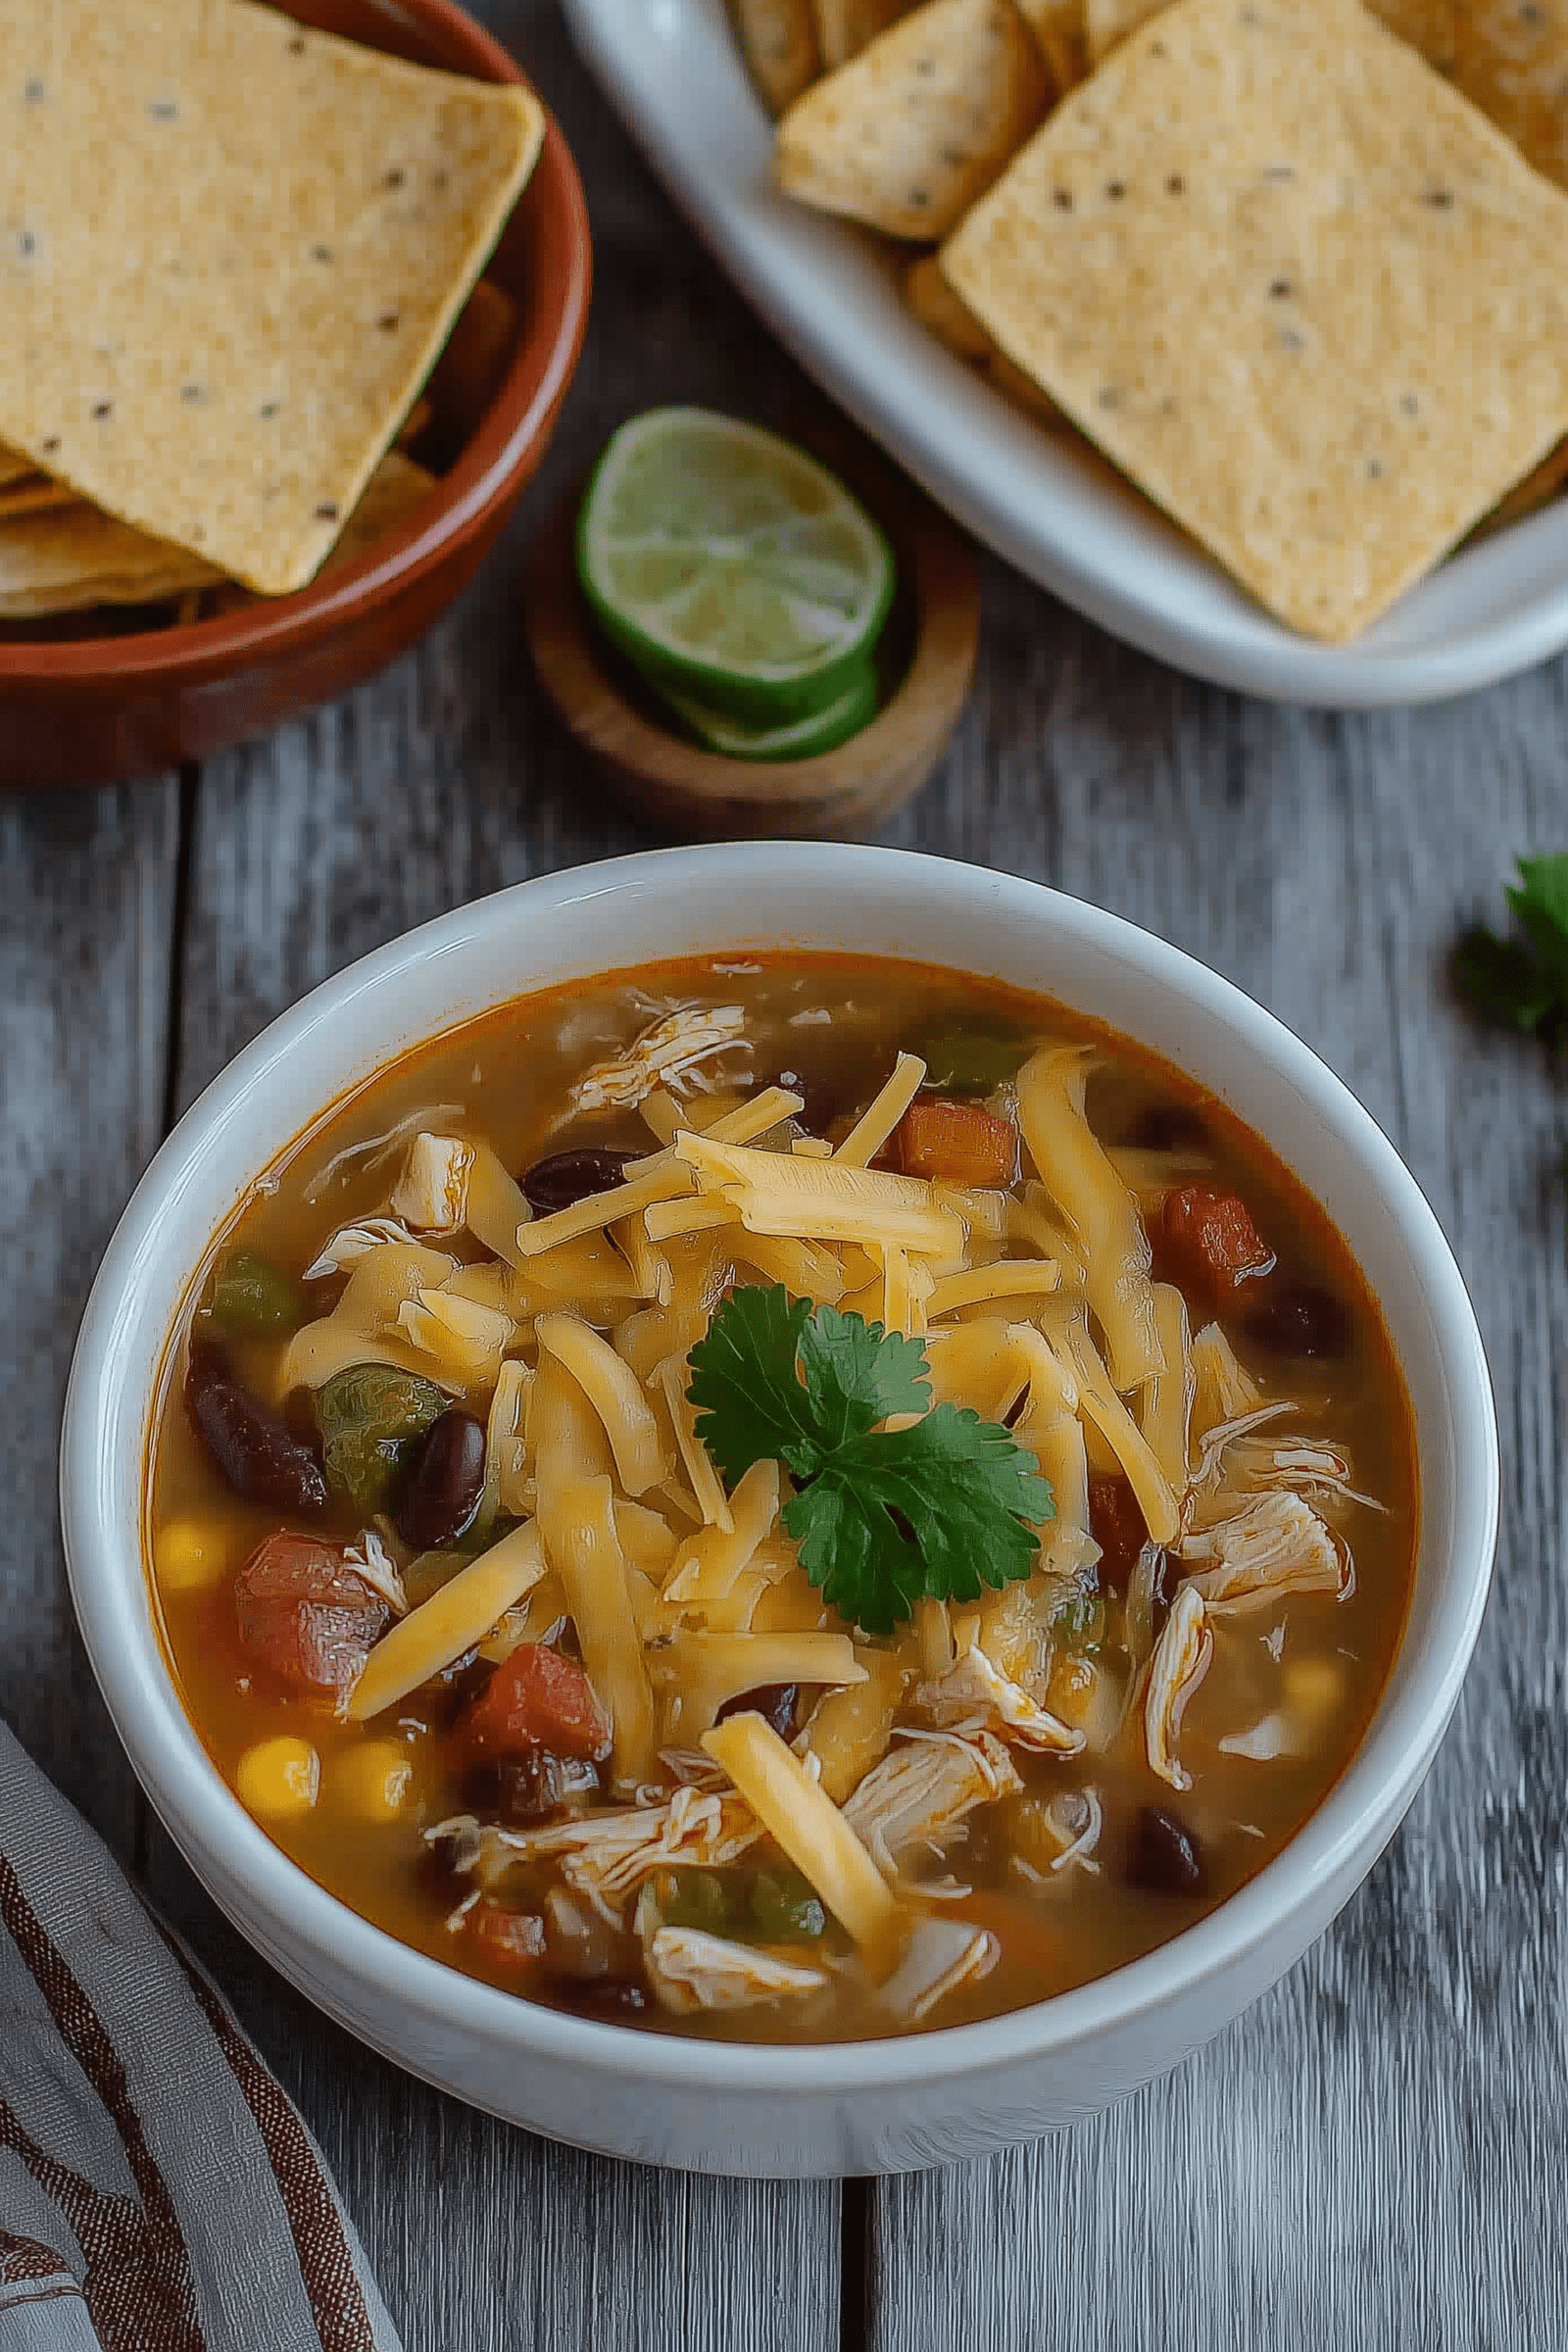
(537,1699)
(1119,1526)
(1206,1244)
(304,1616)
(516,1939)
(958,1142)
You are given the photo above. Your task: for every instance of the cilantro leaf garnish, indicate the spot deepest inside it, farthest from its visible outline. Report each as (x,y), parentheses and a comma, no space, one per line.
(943,1509)
(1524,980)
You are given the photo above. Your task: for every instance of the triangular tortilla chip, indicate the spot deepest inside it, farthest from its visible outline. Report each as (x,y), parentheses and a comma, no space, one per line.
(243,244)
(909,134)
(1326,330)
(778,41)
(844,28)
(1512,59)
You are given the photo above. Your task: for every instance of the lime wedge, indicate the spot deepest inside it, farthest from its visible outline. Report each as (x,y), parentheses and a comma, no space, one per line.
(730,566)
(799,739)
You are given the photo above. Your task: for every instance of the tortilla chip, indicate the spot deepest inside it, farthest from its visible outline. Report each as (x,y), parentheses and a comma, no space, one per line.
(778,41)
(243,246)
(1427,25)
(1512,61)
(909,134)
(1024,393)
(33,494)
(1107,21)
(1537,489)
(1294,286)
(75,555)
(72,556)
(13,467)
(941,312)
(844,28)
(1059,30)
(395,491)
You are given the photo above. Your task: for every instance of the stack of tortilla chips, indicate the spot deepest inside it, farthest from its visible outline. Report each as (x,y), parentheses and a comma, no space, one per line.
(1294,267)
(232,249)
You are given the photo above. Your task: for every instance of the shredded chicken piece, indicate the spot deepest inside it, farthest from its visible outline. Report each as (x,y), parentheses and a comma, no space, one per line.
(432,1192)
(920,1793)
(1073,1818)
(941,1956)
(378,1148)
(1179,1664)
(606,1856)
(1276,1544)
(689,1970)
(374,1566)
(351,1243)
(666,1054)
(974,1696)
(1261,1744)
(1234,1461)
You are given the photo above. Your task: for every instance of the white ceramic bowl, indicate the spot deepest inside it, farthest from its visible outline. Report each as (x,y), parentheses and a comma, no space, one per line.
(875,2107)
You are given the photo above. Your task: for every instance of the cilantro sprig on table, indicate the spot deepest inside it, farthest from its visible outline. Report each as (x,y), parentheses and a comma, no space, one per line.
(943,1509)
(1524,980)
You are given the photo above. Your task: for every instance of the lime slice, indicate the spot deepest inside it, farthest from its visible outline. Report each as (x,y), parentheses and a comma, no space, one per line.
(799,739)
(731,567)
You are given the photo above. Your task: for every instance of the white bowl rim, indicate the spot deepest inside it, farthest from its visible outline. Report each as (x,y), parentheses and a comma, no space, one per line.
(1356,1819)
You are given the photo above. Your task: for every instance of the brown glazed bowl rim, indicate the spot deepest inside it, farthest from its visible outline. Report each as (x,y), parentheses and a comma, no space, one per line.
(549,341)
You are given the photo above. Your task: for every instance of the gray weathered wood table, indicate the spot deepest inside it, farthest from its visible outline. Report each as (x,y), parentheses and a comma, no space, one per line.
(1375,2155)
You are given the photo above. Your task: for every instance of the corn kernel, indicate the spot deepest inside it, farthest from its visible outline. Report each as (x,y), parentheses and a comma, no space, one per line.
(1314,1690)
(373,1781)
(188,1556)
(278,1778)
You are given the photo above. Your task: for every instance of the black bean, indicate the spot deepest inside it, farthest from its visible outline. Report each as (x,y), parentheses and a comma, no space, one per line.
(1163,1857)
(1299,1319)
(252,1447)
(441,1492)
(773,1701)
(567,1177)
(1170,1127)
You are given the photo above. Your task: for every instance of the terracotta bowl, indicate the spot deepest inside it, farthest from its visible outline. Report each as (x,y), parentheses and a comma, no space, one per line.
(104,706)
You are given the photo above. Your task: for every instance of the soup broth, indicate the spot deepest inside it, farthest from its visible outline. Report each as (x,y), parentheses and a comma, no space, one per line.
(477,1626)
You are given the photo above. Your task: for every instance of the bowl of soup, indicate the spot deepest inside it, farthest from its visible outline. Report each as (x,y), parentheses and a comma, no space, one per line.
(780,1509)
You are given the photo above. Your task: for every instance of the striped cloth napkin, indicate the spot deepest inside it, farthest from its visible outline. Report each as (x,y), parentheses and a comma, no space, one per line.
(158,2193)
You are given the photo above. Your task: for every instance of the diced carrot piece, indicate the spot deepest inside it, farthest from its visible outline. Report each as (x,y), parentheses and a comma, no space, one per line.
(959,1141)
(537,1699)
(1206,1244)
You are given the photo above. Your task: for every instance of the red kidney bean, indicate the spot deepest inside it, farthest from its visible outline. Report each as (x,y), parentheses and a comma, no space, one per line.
(564,1178)
(1299,1319)
(1119,1526)
(442,1490)
(254,1449)
(773,1701)
(1170,1127)
(1163,1856)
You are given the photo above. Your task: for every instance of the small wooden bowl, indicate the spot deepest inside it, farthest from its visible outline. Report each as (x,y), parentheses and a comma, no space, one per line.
(101,707)
(926,659)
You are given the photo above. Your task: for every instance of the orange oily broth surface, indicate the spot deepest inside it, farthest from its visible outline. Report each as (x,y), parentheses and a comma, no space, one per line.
(505,1078)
